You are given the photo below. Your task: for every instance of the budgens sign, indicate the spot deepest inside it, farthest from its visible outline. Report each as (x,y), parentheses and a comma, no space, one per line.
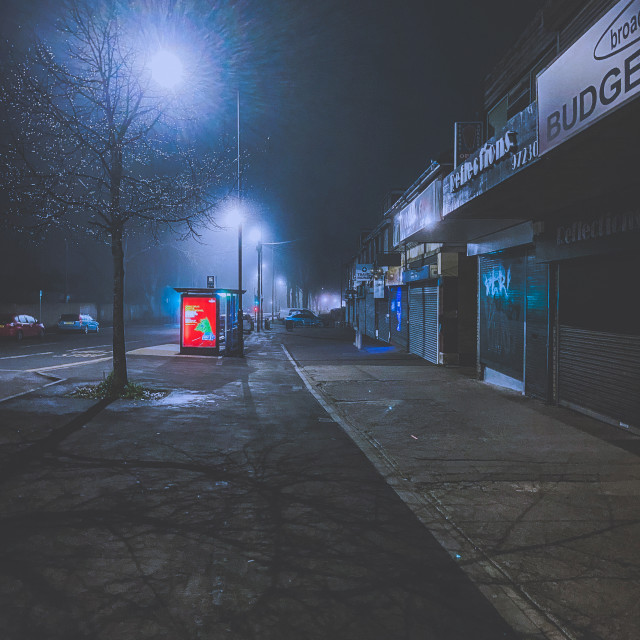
(595,76)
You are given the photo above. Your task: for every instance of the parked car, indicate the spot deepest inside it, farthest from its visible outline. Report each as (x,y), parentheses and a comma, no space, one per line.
(285,313)
(78,322)
(247,323)
(20,326)
(304,318)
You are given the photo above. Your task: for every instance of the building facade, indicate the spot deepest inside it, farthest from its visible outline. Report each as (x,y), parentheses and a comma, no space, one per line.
(525,256)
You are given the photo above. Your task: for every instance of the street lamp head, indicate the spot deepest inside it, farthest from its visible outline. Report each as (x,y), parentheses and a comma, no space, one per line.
(166,69)
(234,215)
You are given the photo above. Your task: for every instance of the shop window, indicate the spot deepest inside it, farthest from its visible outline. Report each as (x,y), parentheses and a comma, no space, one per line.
(497,118)
(519,97)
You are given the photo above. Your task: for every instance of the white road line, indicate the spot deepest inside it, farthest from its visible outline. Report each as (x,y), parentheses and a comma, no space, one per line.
(69,364)
(498,585)
(28,355)
(24,393)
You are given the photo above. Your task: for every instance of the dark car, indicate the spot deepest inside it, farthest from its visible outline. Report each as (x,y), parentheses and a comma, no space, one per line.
(20,326)
(304,318)
(78,322)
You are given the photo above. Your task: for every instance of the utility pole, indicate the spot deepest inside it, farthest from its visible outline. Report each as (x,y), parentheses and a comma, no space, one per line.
(66,270)
(259,314)
(273,283)
(240,314)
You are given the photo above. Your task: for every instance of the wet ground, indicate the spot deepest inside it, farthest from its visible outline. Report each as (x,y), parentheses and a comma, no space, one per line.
(233,508)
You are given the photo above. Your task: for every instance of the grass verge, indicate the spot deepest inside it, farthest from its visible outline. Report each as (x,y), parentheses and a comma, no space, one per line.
(105,389)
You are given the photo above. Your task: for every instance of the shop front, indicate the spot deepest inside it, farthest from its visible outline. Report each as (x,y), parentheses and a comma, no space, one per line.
(595,258)
(423,290)
(589,121)
(514,333)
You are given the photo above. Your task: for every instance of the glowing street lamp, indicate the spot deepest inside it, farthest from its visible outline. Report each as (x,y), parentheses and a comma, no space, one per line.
(166,69)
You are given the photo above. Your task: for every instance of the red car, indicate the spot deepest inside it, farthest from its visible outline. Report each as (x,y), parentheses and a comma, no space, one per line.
(20,326)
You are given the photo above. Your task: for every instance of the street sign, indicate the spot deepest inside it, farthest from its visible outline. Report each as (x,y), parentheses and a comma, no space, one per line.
(363,272)
(211,282)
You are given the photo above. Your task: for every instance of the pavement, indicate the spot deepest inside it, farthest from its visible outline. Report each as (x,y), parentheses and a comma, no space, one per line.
(537,504)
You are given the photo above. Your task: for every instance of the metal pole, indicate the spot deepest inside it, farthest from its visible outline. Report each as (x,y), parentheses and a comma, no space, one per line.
(273,283)
(240,315)
(66,270)
(259,292)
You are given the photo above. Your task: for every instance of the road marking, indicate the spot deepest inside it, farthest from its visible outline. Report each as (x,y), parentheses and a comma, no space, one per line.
(28,355)
(80,353)
(39,344)
(66,366)
(497,585)
(24,393)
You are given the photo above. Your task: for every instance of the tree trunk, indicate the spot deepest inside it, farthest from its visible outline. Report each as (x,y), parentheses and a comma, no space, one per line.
(119,357)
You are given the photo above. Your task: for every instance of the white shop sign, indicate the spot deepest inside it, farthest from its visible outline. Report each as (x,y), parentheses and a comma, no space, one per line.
(595,76)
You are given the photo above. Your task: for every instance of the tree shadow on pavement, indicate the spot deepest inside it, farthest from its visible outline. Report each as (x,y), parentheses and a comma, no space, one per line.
(260,542)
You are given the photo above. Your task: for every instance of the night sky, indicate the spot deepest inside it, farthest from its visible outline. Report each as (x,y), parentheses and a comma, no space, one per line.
(341,101)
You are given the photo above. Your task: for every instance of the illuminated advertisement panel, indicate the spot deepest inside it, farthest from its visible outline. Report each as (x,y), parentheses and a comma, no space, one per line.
(199,322)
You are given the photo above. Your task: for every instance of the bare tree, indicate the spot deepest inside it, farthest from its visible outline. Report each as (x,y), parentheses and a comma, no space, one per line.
(92,146)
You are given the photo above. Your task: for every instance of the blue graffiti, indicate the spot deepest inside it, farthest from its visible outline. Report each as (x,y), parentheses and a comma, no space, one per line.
(497,282)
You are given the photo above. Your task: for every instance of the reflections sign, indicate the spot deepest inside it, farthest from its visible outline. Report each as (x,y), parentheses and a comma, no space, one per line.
(592,78)
(199,315)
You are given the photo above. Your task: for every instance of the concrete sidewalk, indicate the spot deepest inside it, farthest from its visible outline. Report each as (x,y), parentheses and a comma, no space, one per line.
(538,504)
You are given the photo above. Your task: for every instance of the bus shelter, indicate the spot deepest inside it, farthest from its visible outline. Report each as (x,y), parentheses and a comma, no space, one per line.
(210,321)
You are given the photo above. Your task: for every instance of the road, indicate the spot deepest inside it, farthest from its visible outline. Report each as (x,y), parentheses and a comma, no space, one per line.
(59,351)
(233,508)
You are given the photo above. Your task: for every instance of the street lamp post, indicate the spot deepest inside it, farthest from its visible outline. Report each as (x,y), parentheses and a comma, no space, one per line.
(240,314)
(273,283)
(259,314)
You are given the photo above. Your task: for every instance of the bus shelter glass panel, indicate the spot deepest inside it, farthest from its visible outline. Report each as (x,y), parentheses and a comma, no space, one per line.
(229,331)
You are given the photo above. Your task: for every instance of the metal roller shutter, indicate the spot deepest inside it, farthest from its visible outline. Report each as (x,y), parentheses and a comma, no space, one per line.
(423,322)
(502,293)
(370,328)
(382,311)
(361,314)
(537,329)
(600,372)
(416,320)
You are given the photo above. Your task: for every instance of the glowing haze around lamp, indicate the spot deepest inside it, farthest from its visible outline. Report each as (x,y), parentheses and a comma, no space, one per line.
(233,216)
(166,69)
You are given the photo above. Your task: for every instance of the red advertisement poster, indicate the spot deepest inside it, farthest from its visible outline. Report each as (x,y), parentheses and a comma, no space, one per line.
(199,322)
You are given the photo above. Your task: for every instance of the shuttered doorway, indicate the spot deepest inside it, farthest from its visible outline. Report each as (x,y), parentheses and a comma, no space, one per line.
(599,340)
(423,322)
(600,372)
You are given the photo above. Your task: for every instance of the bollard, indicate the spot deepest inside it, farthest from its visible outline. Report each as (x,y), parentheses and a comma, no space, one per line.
(288,325)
